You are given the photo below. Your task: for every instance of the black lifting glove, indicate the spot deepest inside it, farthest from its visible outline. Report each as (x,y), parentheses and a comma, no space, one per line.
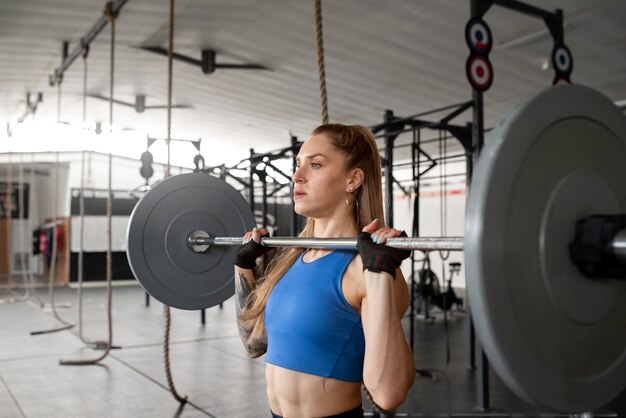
(249,252)
(379,257)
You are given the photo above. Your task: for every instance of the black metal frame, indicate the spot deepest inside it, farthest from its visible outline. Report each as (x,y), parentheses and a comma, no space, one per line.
(554,22)
(391,128)
(252,164)
(85,41)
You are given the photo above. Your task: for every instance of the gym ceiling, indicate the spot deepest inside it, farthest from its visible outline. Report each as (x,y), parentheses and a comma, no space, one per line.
(404,55)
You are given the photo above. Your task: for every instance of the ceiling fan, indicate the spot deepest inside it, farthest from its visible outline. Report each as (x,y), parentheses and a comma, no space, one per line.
(140,103)
(206,62)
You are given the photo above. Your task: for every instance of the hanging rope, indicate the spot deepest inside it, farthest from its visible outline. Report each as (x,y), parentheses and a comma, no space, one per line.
(52,267)
(9,211)
(9,216)
(32,204)
(321,71)
(59,101)
(53,257)
(166,357)
(111,15)
(84,54)
(166,309)
(170,85)
(23,247)
(81,205)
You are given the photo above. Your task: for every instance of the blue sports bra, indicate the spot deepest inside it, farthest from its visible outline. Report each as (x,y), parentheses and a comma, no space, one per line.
(311,327)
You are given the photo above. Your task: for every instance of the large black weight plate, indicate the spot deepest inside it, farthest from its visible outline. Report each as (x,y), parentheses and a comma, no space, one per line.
(556,337)
(167,268)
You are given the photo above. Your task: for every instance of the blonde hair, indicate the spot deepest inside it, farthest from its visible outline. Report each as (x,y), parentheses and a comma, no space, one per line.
(358,145)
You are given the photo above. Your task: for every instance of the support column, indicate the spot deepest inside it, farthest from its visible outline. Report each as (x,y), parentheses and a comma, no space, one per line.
(389,140)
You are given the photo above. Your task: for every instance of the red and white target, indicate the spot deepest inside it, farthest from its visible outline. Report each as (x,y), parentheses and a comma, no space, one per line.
(479,72)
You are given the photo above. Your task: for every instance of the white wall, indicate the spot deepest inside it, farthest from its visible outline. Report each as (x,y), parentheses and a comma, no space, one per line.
(430,222)
(431,215)
(95,233)
(125,176)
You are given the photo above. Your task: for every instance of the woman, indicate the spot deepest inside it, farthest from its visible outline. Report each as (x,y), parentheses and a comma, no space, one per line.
(330,321)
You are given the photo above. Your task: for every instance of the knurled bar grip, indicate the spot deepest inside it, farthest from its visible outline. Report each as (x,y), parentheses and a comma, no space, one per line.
(421,244)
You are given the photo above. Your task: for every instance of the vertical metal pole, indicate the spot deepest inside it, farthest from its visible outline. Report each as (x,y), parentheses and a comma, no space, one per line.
(471,335)
(294,215)
(251,185)
(412,299)
(389,139)
(482,387)
(483,364)
(147,299)
(203,316)
(264,204)
(415,166)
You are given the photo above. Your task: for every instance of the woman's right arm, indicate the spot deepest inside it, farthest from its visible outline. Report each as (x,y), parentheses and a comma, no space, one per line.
(244,285)
(245,282)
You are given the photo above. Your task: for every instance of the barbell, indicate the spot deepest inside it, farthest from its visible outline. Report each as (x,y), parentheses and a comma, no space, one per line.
(546,212)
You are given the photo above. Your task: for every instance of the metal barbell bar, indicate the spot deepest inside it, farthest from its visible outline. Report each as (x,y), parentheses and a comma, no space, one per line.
(200,241)
(618,245)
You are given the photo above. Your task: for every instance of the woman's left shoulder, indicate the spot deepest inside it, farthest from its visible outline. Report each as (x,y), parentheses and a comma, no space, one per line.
(353,284)
(354,271)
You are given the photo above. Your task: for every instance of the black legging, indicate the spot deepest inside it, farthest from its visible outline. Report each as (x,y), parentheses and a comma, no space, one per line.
(353,413)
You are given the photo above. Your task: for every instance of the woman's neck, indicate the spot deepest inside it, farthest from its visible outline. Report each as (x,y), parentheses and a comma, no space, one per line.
(330,228)
(335,227)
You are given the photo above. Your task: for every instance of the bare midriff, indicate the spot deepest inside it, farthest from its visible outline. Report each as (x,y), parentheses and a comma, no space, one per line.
(294,394)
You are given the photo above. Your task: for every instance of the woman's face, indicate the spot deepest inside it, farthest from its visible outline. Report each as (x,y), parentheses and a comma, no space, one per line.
(320,180)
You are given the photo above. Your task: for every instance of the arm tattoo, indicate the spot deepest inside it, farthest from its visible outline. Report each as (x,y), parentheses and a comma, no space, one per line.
(255,347)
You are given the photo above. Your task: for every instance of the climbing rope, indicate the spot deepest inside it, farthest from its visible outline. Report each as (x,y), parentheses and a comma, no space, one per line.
(321,71)
(81,205)
(9,216)
(170,85)
(84,54)
(166,357)
(111,15)
(54,226)
(32,204)
(55,247)
(23,247)
(59,101)
(166,309)
(9,212)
